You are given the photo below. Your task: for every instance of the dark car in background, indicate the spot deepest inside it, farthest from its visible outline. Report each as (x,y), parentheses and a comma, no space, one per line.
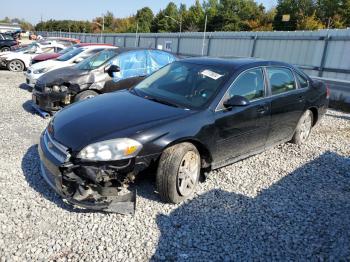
(7,42)
(107,71)
(192,114)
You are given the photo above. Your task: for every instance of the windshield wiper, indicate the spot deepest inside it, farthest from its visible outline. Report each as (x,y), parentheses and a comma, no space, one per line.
(161,101)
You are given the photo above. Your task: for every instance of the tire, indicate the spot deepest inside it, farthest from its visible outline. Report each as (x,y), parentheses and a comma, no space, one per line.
(5,49)
(178,172)
(85,95)
(15,65)
(303,129)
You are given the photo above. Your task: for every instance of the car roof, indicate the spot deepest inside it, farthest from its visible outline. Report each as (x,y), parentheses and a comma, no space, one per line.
(127,49)
(91,44)
(234,63)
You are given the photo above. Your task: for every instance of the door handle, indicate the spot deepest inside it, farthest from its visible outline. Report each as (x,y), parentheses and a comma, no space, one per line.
(261,109)
(301,98)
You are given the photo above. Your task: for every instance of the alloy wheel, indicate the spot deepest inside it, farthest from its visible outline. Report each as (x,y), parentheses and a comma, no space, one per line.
(305,126)
(16,66)
(188,173)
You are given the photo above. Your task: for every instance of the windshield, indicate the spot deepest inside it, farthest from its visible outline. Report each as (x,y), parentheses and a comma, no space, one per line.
(66,50)
(31,47)
(182,83)
(70,54)
(97,60)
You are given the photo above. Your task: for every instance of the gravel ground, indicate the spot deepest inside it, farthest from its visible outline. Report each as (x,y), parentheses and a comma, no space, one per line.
(289,203)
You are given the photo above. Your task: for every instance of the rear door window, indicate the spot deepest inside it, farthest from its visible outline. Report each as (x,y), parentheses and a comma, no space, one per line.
(281,80)
(303,82)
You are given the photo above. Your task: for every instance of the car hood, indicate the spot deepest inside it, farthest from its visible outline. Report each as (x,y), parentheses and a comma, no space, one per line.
(108,116)
(44,57)
(62,75)
(2,54)
(16,55)
(50,64)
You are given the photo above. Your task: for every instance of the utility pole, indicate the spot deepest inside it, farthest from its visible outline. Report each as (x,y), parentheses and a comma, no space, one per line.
(205,30)
(103,27)
(137,30)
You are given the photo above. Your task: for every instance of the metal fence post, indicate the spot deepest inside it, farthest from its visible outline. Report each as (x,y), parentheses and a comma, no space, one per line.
(178,44)
(156,42)
(208,47)
(324,55)
(255,38)
(138,41)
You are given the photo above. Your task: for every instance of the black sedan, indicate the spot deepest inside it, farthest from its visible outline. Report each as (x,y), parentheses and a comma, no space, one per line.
(192,114)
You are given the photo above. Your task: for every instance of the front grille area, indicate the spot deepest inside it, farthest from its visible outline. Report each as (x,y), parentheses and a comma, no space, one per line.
(39,86)
(57,150)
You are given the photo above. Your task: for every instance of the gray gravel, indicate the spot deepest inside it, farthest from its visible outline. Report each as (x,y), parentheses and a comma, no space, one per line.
(289,203)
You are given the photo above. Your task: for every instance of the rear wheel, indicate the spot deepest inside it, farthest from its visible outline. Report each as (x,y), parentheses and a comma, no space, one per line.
(303,129)
(178,172)
(5,49)
(85,95)
(15,65)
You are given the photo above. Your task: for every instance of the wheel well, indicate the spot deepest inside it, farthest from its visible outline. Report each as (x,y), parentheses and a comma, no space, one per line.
(16,59)
(95,90)
(315,115)
(202,149)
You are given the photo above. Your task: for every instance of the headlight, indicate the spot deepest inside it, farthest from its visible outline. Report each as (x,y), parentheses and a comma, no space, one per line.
(47,89)
(56,88)
(41,71)
(115,149)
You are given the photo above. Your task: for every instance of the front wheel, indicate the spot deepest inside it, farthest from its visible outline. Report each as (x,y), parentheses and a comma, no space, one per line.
(303,129)
(85,95)
(178,172)
(15,65)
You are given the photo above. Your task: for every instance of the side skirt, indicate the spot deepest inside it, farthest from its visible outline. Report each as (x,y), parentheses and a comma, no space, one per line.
(252,153)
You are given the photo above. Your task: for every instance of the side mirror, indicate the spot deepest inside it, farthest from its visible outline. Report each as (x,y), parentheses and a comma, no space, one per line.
(78,60)
(112,69)
(236,101)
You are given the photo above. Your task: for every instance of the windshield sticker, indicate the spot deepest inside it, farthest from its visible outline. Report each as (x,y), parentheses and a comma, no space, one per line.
(211,74)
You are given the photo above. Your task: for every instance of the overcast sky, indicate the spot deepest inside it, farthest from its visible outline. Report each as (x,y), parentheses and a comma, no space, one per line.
(84,9)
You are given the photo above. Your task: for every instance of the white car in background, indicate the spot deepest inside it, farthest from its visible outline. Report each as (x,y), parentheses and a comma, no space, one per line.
(20,59)
(76,55)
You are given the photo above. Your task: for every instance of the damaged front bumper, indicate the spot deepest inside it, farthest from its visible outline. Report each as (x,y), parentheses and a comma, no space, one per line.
(95,187)
(50,102)
(3,62)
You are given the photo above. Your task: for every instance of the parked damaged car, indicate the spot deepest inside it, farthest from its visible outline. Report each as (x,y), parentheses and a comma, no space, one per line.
(75,55)
(192,114)
(45,57)
(20,59)
(107,71)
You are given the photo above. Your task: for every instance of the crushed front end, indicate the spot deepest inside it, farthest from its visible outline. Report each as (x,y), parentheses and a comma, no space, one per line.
(95,186)
(51,98)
